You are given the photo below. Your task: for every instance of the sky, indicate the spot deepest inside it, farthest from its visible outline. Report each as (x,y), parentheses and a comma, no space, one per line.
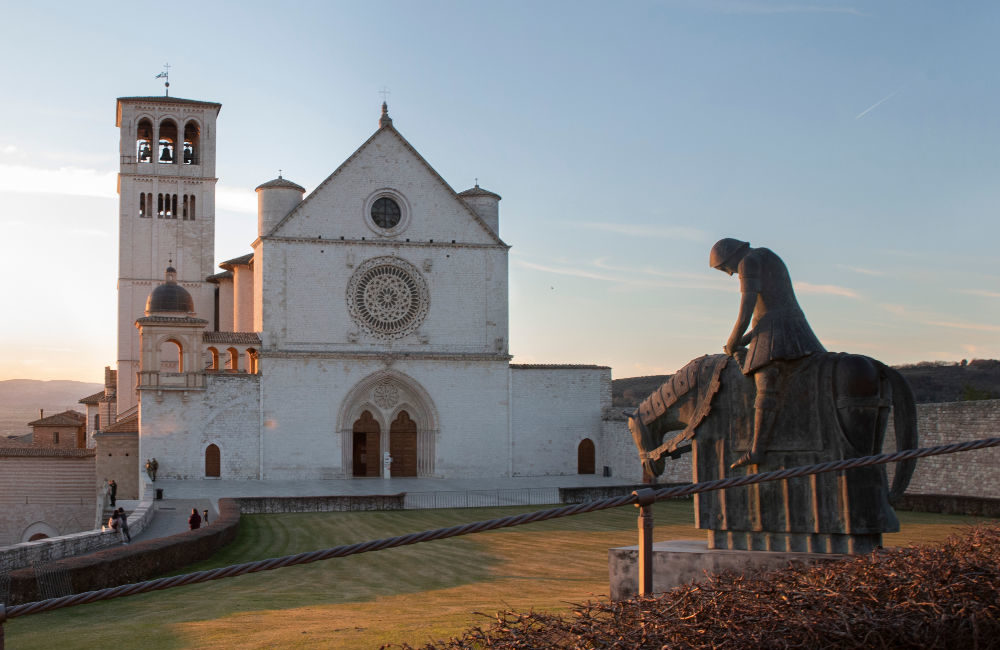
(857,140)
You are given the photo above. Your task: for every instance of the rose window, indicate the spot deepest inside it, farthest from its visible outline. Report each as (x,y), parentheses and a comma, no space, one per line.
(387,297)
(386,395)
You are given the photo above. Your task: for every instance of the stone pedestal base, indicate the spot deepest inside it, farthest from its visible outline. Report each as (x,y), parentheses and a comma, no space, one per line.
(679,562)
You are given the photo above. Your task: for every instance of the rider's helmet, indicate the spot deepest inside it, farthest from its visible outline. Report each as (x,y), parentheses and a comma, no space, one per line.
(725,250)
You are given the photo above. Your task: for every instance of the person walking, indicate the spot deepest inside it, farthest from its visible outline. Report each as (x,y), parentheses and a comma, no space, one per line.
(115,524)
(194,521)
(123,525)
(113,491)
(204,516)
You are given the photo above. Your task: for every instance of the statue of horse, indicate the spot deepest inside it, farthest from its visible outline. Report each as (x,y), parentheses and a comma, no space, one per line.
(832,406)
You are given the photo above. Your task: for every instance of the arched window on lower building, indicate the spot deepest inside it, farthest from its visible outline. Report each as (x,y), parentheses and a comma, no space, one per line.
(253,361)
(37,536)
(233,362)
(213,359)
(213,462)
(585,457)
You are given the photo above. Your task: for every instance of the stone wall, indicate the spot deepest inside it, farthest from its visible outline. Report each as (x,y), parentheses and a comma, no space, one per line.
(971,473)
(178,426)
(136,562)
(63,546)
(553,409)
(118,459)
(623,457)
(46,491)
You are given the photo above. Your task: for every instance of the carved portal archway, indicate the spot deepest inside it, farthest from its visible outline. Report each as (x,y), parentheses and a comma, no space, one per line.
(406,420)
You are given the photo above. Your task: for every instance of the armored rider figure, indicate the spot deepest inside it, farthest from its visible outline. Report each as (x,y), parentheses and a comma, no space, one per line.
(779,331)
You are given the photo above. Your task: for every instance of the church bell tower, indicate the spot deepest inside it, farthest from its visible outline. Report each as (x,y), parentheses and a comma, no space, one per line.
(166,199)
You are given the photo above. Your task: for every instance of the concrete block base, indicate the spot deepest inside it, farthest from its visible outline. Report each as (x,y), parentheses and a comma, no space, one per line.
(682,561)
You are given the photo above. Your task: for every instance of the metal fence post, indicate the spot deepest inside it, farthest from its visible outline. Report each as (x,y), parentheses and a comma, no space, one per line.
(646,498)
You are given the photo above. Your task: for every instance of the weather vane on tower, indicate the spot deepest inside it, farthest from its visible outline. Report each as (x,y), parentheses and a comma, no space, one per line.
(165,75)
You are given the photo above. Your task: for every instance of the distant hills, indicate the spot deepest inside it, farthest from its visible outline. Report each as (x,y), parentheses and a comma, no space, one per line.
(21,399)
(932,381)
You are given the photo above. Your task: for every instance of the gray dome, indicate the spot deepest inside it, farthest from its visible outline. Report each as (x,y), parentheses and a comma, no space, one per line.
(170,296)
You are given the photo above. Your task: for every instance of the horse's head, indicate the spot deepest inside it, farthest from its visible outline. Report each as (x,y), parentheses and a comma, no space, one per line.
(671,407)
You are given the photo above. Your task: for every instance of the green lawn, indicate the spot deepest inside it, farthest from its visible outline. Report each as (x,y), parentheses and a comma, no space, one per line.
(411,594)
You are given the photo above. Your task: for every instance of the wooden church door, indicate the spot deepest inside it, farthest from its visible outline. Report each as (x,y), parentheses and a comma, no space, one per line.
(585,457)
(366,459)
(213,461)
(403,445)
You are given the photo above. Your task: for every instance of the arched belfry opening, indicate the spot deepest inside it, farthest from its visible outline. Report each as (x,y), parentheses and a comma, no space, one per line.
(167,149)
(171,356)
(144,141)
(192,136)
(407,424)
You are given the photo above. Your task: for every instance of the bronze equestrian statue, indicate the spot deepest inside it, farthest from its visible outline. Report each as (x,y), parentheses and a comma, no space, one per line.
(787,403)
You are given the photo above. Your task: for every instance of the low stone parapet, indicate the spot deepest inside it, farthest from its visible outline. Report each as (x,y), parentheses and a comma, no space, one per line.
(679,562)
(25,554)
(346,503)
(136,562)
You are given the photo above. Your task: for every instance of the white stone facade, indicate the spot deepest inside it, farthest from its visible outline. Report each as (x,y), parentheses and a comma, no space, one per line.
(371,317)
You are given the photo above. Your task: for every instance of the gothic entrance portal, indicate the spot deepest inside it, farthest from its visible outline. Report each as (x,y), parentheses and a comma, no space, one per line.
(366,459)
(403,445)
(388,413)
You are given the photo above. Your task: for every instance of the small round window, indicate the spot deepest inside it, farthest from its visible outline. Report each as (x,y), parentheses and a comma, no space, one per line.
(386,213)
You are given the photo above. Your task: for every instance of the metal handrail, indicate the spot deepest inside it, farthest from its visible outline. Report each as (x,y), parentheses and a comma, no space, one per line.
(643,498)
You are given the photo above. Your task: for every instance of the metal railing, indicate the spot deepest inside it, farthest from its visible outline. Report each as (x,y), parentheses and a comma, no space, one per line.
(643,499)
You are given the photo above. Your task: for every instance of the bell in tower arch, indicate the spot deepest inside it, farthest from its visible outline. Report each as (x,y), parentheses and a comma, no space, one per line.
(165,156)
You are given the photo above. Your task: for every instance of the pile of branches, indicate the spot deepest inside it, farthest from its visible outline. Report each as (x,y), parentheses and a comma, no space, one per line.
(916,597)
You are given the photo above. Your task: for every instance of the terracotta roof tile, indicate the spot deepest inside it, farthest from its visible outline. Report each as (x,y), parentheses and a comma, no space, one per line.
(180,320)
(93,399)
(557,366)
(242,260)
(125,425)
(238,338)
(64,419)
(46,451)
(163,99)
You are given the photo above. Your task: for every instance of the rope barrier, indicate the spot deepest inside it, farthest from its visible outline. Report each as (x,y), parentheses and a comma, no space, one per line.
(475,527)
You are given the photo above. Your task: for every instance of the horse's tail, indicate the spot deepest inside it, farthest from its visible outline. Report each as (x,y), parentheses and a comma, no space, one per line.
(904,422)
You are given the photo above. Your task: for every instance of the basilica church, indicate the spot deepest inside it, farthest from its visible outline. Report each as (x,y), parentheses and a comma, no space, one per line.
(364,334)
